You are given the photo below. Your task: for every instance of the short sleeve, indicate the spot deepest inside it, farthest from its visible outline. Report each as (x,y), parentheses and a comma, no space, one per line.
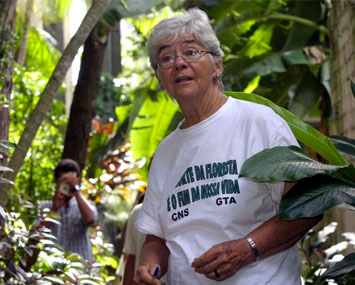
(148,219)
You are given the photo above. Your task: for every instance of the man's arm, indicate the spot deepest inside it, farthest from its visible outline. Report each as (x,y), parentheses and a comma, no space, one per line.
(154,253)
(87,214)
(86,211)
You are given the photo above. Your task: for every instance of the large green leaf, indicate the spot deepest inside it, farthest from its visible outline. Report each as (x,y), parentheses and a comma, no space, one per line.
(312,196)
(122,112)
(340,268)
(284,164)
(302,131)
(344,145)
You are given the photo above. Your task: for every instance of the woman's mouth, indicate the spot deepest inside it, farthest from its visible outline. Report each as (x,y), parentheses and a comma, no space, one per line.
(183,79)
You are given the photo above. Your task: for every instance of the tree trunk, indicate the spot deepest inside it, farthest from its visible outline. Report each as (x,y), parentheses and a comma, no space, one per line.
(45,101)
(84,101)
(341,24)
(7,31)
(21,56)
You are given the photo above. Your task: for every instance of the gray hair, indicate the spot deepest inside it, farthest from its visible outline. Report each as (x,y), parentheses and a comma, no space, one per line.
(193,21)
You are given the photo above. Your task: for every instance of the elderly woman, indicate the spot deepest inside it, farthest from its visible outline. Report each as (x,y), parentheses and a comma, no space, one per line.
(203,223)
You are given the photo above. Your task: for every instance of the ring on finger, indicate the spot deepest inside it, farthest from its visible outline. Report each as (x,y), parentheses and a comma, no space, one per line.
(216,273)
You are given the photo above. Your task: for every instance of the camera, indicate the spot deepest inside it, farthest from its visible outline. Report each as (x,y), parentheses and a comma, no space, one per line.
(64,188)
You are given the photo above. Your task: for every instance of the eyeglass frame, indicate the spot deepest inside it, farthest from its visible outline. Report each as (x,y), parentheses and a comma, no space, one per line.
(182,56)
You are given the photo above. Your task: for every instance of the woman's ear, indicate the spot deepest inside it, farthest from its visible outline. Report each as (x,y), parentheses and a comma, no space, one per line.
(219,68)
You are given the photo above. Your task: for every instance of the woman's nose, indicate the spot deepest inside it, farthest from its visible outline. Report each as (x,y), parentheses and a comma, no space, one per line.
(179,62)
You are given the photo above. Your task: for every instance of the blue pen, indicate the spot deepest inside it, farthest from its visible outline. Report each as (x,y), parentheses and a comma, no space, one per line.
(156,271)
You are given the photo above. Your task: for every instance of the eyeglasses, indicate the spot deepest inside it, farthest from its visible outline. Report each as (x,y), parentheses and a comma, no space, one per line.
(189,55)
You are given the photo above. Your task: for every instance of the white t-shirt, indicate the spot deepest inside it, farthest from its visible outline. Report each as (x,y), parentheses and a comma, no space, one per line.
(195,199)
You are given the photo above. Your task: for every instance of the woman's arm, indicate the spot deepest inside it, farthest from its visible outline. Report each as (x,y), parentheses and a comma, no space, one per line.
(128,274)
(154,253)
(273,236)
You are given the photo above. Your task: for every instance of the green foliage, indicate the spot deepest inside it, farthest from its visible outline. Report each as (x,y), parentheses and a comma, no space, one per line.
(152,124)
(34,181)
(29,255)
(279,43)
(103,251)
(41,54)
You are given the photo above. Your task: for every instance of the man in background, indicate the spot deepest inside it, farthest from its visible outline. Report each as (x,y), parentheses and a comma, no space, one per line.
(76,213)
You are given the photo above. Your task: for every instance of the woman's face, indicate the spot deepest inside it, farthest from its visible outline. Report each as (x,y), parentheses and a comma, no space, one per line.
(186,80)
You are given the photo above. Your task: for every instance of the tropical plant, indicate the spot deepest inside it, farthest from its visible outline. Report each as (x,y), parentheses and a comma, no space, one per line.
(29,255)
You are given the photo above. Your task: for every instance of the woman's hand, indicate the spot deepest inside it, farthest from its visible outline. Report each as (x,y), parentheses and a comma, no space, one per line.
(224,260)
(147,274)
